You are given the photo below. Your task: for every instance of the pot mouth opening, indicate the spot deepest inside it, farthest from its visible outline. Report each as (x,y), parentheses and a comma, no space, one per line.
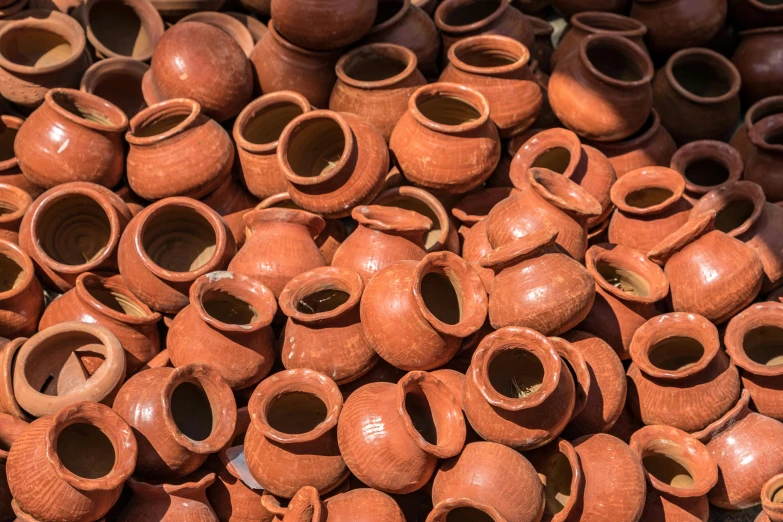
(489,54)
(432,237)
(772,493)
(668,469)
(322,300)
(428,410)
(467,514)
(114,299)
(296,412)
(763,108)
(72,443)
(608,23)
(648,197)
(467,13)
(704,76)
(265,125)
(72,359)
(617,60)
(88,108)
(449,110)
(441,293)
(707,172)
(318,147)
(516,373)
(120,28)
(556,159)
(179,239)
(735,214)
(676,354)
(558,479)
(161,122)
(376,65)
(12,274)
(14,202)
(37,48)
(625,279)
(229,309)
(764,345)
(7,139)
(192,410)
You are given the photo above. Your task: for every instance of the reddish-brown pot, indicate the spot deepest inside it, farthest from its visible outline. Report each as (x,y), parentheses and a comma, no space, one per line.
(128,29)
(759,111)
(159,275)
(680,377)
(764,164)
(14,203)
(474,206)
(415,313)
(455,508)
(543,49)
(392,435)
(71,465)
(441,118)
(707,165)
(21,295)
(323,27)
(359,505)
(118,81)
(758,64)
(678,24)
(474,247)
(170,501)
(107,301)
(10,429)
(10,174)
(229,24)
(232,201)
(770,501)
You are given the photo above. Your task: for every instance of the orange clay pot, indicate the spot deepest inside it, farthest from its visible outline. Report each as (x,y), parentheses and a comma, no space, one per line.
(757,112)
(359,505)
(170,501)
(10,429)
(707,165)
(21,295)
(770,501)
(14,203)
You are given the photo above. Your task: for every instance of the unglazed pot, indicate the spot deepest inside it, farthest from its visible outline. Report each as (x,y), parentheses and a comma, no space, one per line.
(392,435)
(14,203)
(107,301)
(757,63)
(678,24)
(415,314)
(10,429)
(129,29)
(697,95)
(597,21)
(759,111)
(229,24)
(770,501)
(320,27)
(707,165)
(764,164)
(232,201)
(10,174)
(118,81)
(170,501)
(442,117)
(79,457)
(167,246)
(21,295)
(360,505)
(602,90)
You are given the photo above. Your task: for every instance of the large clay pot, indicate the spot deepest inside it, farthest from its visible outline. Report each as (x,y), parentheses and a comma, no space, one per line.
(770,501)
(118,81)
(14,203)
(170,501)
(585,23)
(359,505)
(764,164)
(759,111)
(321,27)
(232,201)
(21,295)
(227,23)
(455,508)
(678,24)
(757,63)
(707,165)
(10,428)
(128,29)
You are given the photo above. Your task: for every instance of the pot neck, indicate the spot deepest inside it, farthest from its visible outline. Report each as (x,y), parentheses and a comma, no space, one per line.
(173,490)
(394,221)
(526,247)
(647,190)
(421,201)
(763,108)
(377,66)
(767,134)
(449,108)
(638,65)
(489,55)
(702,158)
(719,65)
(698,226)
(558,150)
(561,192)
(558,463)
(306,506)
(598,22)
(164,121)
(453,17)
(261,219)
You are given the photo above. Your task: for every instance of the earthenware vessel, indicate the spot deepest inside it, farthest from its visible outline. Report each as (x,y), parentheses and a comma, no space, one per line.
(710,273)
(475,206)
(441,117)
(759,111)
(10,429)
(453,508)
(707,165)
(764,163)
(363,504)
(21,296)
(755,60)
(200,62)
(14,203)
(770,501)
(313,25)
(417,421)
(678,24)
(161,276)
(586,23)
(650,206)
(227,23)
(72,229)
(232,201)
(118,81)
(80,456)
(475,246)
(332,161)
(170,501)
(375,82)
(257,132)
(128,29)
(611,75)
(697,85)
(292,438)
(437,301)
(10,174)
(106,300)
(542,49)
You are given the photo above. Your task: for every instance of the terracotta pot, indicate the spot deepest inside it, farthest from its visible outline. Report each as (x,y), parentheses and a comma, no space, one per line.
(41,52)
(742,444)
(72,229)
(611,76)
(759,68)
(200,62)
(475,206)
(283,66)
(585,23)
(437,301)
(107,301)
(14,203)
(416,422)
(678,24)
(650,206)
(332,161)
(710,273)
(118,81)
(232,202)
(454,508)
(697,85)
(764,163)
(496,66)
(770,501)
(10,429)
(21,296)
(320,27)
(170,501)
(125,29)
(707,165)
(679,470)
(375,82)
(233,27)
(363,504)
(10,174)
(71,465)
(543,49)
(474,247)
(759,111)
(256,27)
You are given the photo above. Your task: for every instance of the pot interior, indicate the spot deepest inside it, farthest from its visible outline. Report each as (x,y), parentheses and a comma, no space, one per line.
(439,294)
(516,373)
(676,353)
(64,363)
(447,110)
(420,412)
(374,67)
(115,300)
(648,197)
(467,514)
(82,108)
(73,230)
(706,172)
(192,411)
(159,123)
(85,451)
(555,159)
(294,413)
(266,125)
(321,301)
(228,309)
(11,274)
(734,214)
(117,26)
(33,47)
(7,138)
(316,147)
(467,13)
(702,76)
(626,280)
(614,61)
(179,239)
(764,345)
(668,470)
(557,476)
(432,236)
(486,56)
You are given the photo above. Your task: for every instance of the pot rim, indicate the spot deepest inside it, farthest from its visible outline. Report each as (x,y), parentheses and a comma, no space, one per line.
(21,200)
(625,45)
(394,20)
(8,354)
(571,198)
(151,317)
(632,260)
(441,511)
(434,204)
(577,478)
(768,491)
(253,108)
(54,25)
(240,287)
(390,219)
(582,21)
(520,249)
(768,313)
(759,110)
(314,223)
(717,151)
(647,178)
(226,23)
(162,109)
(696,227)
(273,201)
(760,132)
(148,16)
(707,54)
(718,199)
(465,94)
(377,49)
(763,30)
(15,123)
(180,487)
(729,419)
(119,119)
(579,371)
(95,72)
(492,43)
(539,144)
(447,6)
(321,278)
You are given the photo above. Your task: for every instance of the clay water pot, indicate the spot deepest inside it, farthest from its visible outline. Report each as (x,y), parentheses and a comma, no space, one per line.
(678,24)
(21,295)
(71,465)
(332,161)
(415,422)
(707,165)
(585,23)
(87,132)
(679,376)
(443,117)
(10,429)
(375,82)
(256,133)
(770,501)
(764,163)
(537,286)
(321,27)
(757,64)
(650,205)
(475,206)
(127,29)
(14,203)
(10,173)
(170,501)
(437,301)
(612,76)
(227,23)
(679,471)
(359,505)
(232,201)
(292,438)
(697,85)
(107,301)
(759,111)
(118,81)
(629,290)
(542,49)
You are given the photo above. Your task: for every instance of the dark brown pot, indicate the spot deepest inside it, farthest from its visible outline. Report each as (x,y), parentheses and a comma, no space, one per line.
(759,111)
(707,165)
(127,29)
(764,164)
(678,24)
(757,63)
(118,81)
(229,25)
(21,295)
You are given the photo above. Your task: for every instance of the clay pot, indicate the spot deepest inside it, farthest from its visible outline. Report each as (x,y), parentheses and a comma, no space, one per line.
(257,132)
(170,501)
(14,203)
(375,82)
(227,23)
(496,66)
(10,174)
(10,429)
(707,165)
(121,29)
(678,24)
(232,202)
(41,52)
(710,273)
(650,206)
(417,421)
(363,504)
(320,27)
(537,286)
(200,62)
(283,66)
(118,81)
(332,161)
(72,229)
(107,301)
(757,64)
(437,301)
(585,23)
(21,296)
(543,49)
(169,245)
(765,162)
(697,85)
(679,376)
(292,438)
(602,90)
(71,465)
(770,501)
(679,470)
(475,206)
(759,111)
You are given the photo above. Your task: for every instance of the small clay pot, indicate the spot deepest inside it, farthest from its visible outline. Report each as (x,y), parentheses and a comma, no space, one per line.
(232,201)
(755,60)
(697,95)
(678,24)
(570,8)
(322,27)
(10,429)
(227,23)
(170,501)
(650,206)
(543,49)
(80,456)
(679,376)
(72,229)
(118,81)
(759,111)
(167,246)
(200,62)
(437,301)
(14,203)
(332,161)
(21,295)
(130,28)
(602,90)
(107,301)
(765,162)
(707,165)
(770,501)
(416,422)
(292,438)
(10,174)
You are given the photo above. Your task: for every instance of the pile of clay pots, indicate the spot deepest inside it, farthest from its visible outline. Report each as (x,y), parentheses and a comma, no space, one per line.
(390,260)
